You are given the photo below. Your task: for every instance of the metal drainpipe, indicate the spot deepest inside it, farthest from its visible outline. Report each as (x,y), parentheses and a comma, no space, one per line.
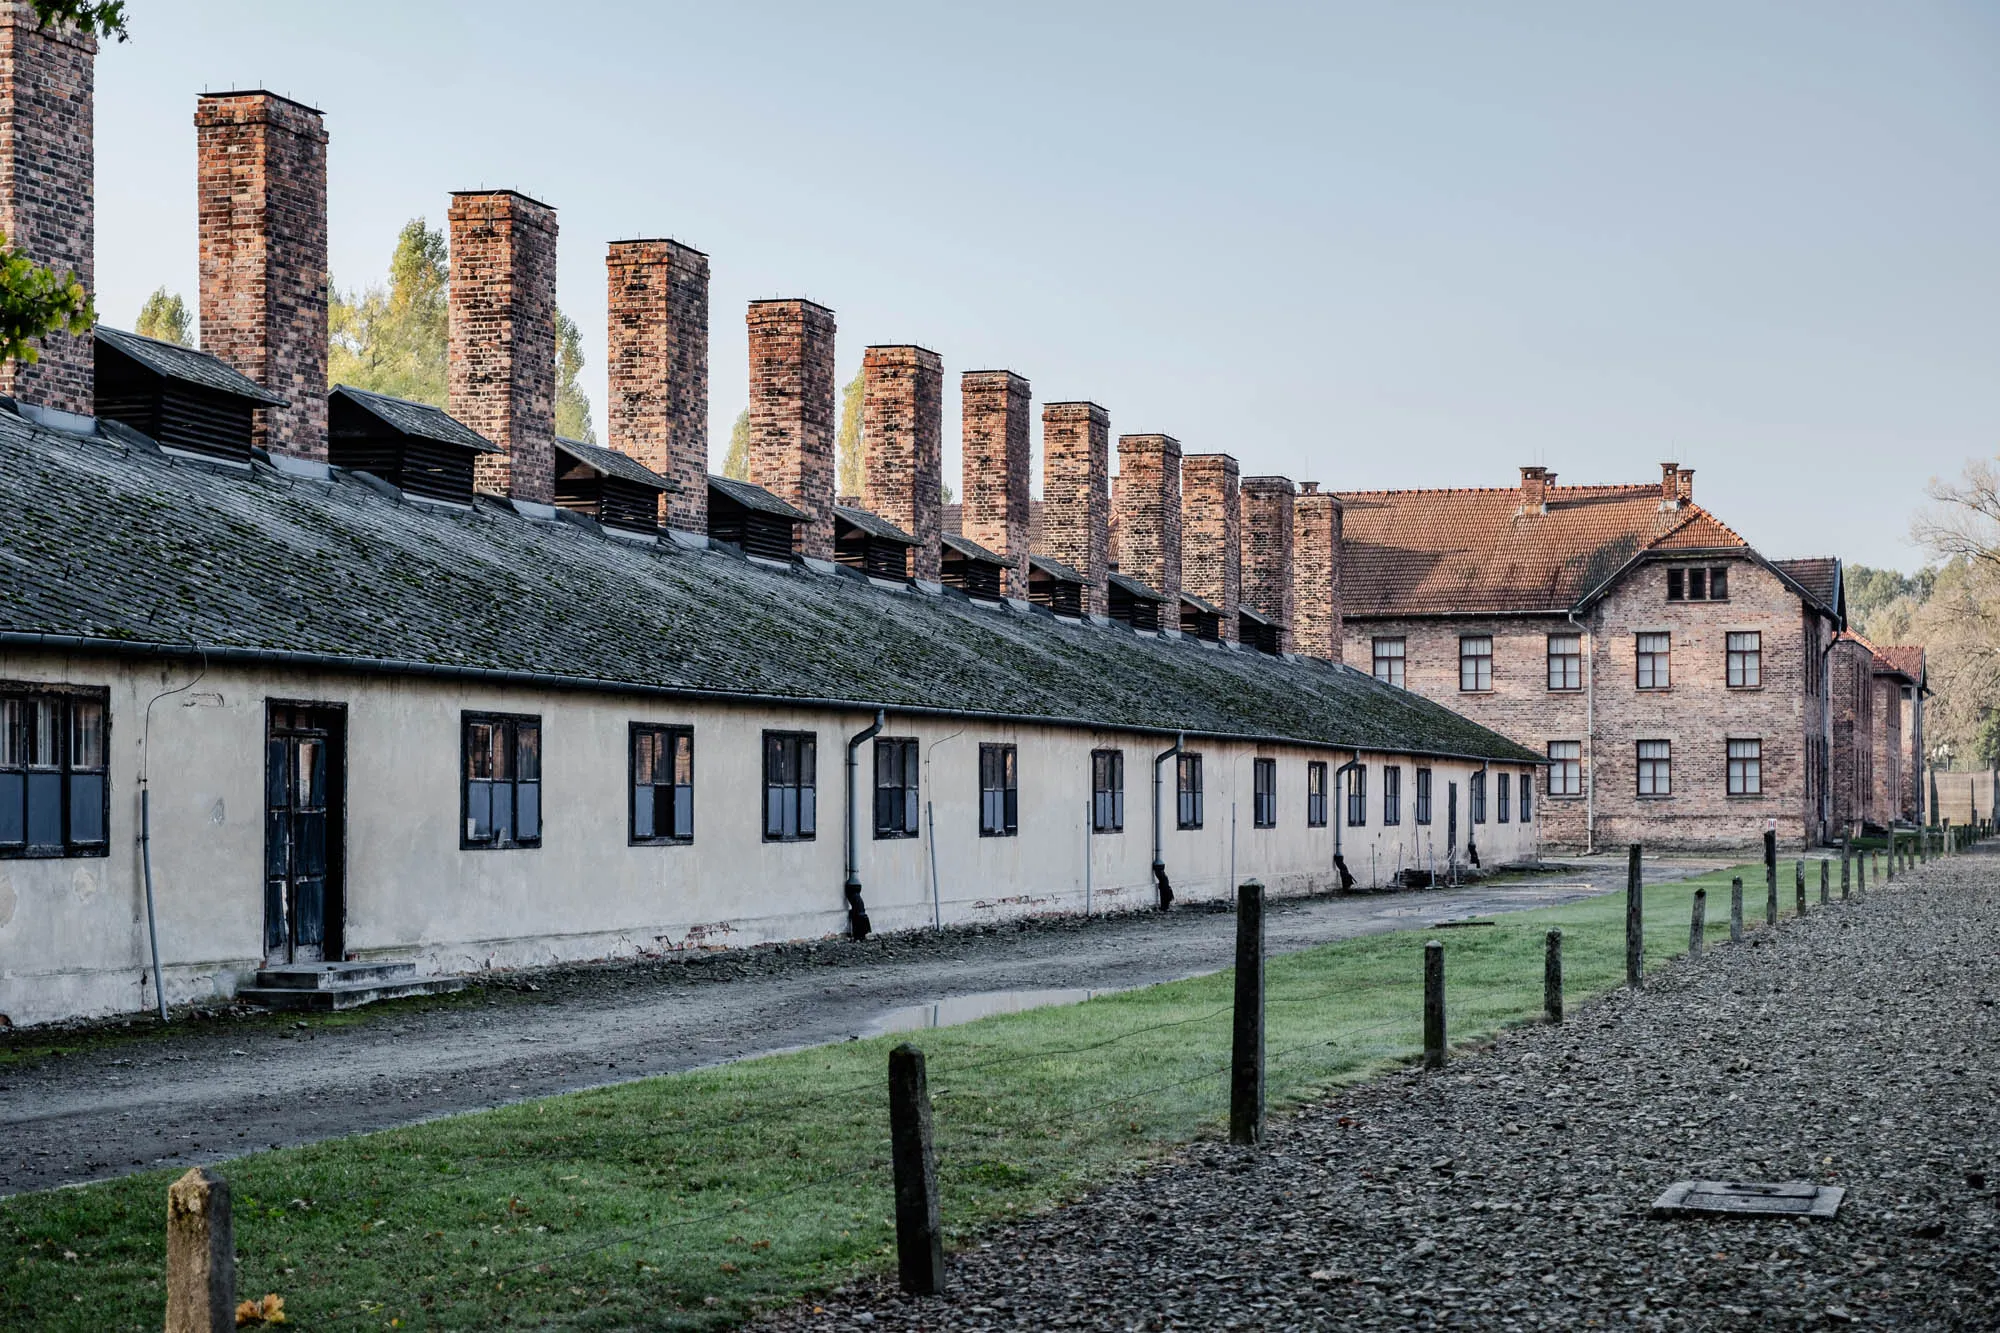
(1471,837)
(857,914)
(1160,880)
(1339,817)
(1589,733)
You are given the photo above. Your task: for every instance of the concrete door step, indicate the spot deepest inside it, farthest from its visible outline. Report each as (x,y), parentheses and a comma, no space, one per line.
(319,976)
(324,987)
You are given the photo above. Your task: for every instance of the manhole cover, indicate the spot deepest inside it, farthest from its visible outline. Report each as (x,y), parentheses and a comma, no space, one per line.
(1737,1198)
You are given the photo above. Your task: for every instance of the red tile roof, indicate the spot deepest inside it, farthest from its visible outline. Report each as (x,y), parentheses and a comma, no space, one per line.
(1903,659)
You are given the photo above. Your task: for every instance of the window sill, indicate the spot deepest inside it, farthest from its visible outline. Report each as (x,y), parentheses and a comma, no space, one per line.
(1744,689)
(1486,690)
(1653,796)
(880,836)
(535,846)
(1106,832)
(803,837)
(1746,796)
(52,853)
(1652,689)
(997,833)
(1565,689)
(659,842)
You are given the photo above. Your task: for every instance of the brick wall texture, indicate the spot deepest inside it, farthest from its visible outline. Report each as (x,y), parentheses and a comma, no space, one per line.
(503,337)
(47,188)
(1267,550)
(993,468)
(792,412)
(1851,683)
(657,356)
(902,451)
(1149,515)
(1076,494)
(1212,534)
(1316,609)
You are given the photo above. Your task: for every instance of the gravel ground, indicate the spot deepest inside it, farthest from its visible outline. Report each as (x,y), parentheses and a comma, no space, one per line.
(1511,1190)
(122,1099)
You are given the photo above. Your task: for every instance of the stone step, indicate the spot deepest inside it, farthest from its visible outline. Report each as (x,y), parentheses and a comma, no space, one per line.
(319,976)
(346,995)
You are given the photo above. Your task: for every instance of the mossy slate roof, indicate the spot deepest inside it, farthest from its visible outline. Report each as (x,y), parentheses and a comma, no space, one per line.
(108,539)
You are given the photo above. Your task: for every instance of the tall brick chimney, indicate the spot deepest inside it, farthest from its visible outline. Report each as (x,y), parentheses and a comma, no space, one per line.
(1317,628)
(1076,495)
(1149,515)
(993,470)
(902,464)
(791,412)
(1535,483)
(503,337)
(1670,485)
(1684,484)
(1212,534)
(47,187)
(1268,527)
(657,353)
(260,162)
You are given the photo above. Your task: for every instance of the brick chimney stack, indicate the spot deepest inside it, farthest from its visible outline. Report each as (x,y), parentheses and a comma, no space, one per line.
(1535,483)
(1076,495)
(1212,534)
(1670,485)
(260,162)
(1268,526)
(657,354)
(1684,481)
(47,187)
(1149,516)
(1317,631)
(993,469)
(902,463)
(503,337)
(792,412)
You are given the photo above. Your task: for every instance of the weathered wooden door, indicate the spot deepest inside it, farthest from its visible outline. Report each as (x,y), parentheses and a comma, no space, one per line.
(303,799)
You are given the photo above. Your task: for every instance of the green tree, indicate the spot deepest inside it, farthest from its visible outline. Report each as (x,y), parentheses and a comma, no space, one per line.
(572,406)
(736,463)
(393,340)
(165,316)
(99,18)
(847,444)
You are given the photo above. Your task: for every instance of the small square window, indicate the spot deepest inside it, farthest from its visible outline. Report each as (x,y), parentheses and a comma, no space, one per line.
(1746,768)
(1565,661)
(1656,768)
(662,784)
(1475,662)
(1565,768)
(1746,660)
(791,786)
(1389,655)
(501,796)
(1652,654)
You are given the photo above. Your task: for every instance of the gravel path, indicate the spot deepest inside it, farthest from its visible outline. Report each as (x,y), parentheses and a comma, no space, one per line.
(228,1084)
(1860,1047)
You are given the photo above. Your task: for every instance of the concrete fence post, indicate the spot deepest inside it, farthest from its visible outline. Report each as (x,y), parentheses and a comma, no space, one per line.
(1635,922)
(1736,910)
(1433,1005)
(1825,881)
(1846,868)
(201,1255)
(1552,975)
(1699,925)
(919,1226)
(1246,1058)
(1770,878)
(1799,884)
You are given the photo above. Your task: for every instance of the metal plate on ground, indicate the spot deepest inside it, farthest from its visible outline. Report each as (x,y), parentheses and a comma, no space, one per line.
(1738,1198)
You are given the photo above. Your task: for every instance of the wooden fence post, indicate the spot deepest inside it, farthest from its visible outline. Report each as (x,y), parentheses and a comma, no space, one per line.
(1246,1059)
(201,1255)
(1825,881)
(1635,922)
(1889,858)
(1799,884)
(919,1229)
(1433,1005)
(1770,878)
(1846,867)
(1552,975)
(1698,926)
(1736,910)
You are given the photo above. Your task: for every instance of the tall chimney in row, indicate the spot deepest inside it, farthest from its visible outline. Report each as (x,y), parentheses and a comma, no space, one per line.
(1684,481)
(1212,534)
(1535,483)
(1316,574)
(994,407)
(791,413)
(1670,485)
(1076,495)
(902,465)
(1267,551)
(260,163)
(47,183)
(1149,516)
(503,337)
(657,354)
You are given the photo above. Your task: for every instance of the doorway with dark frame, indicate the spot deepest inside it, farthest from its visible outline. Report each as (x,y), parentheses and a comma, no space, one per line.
(305,802)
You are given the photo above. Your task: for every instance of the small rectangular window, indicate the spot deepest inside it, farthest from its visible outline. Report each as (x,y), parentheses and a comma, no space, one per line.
(1565,768)
(1316,794)
(1503,797)
(502,793)
(1653,651)
(1565,661)
(53,789)
(1264,799)
(1107,791)
(1676,585)
(999,791)
(1718,584)
(1656,768)
(1476,791)
(895,787)
(1527,797)
(1389,660)
(1392,794)
(1746,768)
(1357,796)
(1475,662)
(1746,660)
(1187,784)
(662,784)
(791,786)
(1423,796)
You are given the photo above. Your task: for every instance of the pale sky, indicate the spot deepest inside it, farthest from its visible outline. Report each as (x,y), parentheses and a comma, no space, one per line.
(1370,245)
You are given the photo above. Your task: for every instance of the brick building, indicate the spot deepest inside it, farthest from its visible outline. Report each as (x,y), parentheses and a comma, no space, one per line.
(1900,686)
(1676,678)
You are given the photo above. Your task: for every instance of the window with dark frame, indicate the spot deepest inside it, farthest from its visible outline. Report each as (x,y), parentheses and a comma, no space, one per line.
(1187,786)
(662,784)
(1316,794)
(1389,656)
(1746,768)
(999,791)
(1708,583)
(1423,796)
(1392,794)
(54,792)
(1476,792)
(791,786)
(502,795)
(1656,775)
(1565,661)
(1475,662)
(1652,653)
(896,786)
(1264,793)
(1527,797)
(1565,768)
(1503,797)
(1107,791)
(1746,659)
(1357,796)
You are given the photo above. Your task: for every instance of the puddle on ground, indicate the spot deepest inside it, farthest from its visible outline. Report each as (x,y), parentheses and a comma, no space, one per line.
(956,1009)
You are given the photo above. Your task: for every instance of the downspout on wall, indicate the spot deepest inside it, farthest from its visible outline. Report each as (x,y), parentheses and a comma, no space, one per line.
(1589,733)
(857,914)
(1160,880)
(1339,817)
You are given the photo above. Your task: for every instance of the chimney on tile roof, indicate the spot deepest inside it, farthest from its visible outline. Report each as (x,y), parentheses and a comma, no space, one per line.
(502,367)
(1685,488)
(993,468)
(792,413)
(1149,514)
(1670,485)
(260,163)
(657,354)
(47,184)
(1076,495)
(1317,629)
(1212,534)
(1267,542)
(1535,490)
(902,465)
